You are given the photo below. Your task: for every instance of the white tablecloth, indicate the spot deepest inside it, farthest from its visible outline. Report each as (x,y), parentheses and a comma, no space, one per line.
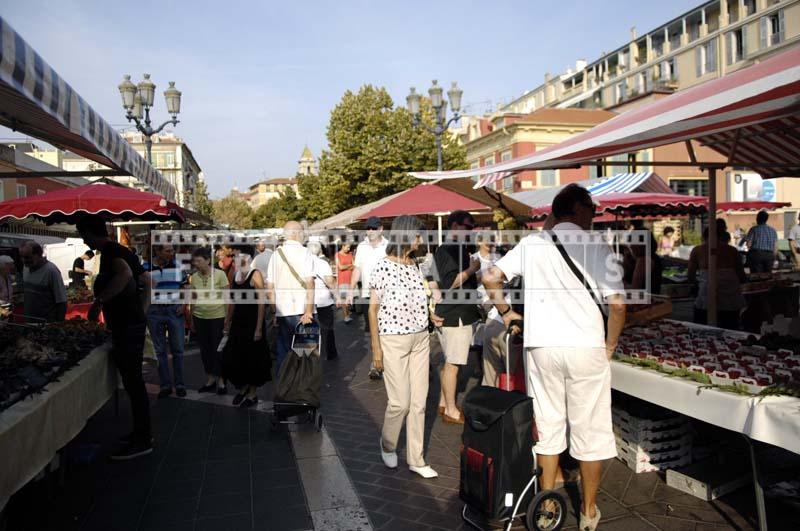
(34,430)
(773,420)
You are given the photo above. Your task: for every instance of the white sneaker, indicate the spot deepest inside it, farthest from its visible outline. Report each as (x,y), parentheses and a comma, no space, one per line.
(425,471)
(389,458)
(589,524)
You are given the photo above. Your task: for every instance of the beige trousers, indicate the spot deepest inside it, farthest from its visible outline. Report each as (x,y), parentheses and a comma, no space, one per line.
(405,375)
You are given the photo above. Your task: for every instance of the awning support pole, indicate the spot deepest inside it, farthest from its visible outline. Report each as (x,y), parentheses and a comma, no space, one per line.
(761,509)
(439,225)
(712,246)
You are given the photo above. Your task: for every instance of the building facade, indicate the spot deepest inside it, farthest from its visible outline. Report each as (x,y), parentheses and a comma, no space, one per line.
(14,158)
(712,40)
(507,136)
(261,192)
(171,156)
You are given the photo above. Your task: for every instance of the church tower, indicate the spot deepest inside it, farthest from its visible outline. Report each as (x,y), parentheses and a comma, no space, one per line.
(307,165)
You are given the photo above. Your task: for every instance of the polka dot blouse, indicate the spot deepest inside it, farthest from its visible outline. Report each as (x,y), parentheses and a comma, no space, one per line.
(404,304)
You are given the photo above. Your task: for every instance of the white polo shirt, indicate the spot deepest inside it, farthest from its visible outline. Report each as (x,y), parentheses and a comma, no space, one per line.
(290,295)
(559,312)
(322,295)
(367,257)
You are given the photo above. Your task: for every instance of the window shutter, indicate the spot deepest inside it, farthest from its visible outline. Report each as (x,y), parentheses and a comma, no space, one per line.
(744,41)
(711,56)
(764,34)
(731,48)
(781,26)
(698,61)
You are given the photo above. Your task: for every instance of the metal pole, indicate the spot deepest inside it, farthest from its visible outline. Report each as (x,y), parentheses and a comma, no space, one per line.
(761,508)
(439,223)
(148,142)
(439,149)
(711,296)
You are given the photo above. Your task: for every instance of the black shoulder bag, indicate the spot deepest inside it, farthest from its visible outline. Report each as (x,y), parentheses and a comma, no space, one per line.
(582,279)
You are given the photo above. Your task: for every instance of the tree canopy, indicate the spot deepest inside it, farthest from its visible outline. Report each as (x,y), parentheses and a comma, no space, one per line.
(277,211)
(203,203)
(233,212)
(372,145)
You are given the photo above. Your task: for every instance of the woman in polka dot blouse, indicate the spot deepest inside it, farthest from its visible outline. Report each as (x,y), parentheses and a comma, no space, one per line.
(398,314)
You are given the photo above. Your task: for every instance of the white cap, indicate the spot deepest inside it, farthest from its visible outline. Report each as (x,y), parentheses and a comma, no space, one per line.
(5,259)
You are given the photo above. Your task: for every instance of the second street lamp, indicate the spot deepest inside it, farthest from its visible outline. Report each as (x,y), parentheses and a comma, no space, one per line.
(439,104)
(138,100)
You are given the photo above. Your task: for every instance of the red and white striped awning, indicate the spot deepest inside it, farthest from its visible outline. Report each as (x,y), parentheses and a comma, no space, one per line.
(752,117)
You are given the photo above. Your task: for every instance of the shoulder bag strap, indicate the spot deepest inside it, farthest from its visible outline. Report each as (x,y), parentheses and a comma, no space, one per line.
(580,277)
(291,269)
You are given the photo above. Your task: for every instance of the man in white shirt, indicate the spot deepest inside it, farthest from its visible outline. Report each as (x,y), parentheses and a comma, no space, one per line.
(568,350)
(368,253)
(794,242)
(290,287)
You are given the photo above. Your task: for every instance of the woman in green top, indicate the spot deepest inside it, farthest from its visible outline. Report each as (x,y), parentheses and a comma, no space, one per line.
(208,317)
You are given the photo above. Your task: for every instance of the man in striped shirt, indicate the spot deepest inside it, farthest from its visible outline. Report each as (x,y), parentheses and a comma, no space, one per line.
(762,245)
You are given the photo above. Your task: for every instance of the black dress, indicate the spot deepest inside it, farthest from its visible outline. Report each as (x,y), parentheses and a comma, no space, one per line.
(244,361)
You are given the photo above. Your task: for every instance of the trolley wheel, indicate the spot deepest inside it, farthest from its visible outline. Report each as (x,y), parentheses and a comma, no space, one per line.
(546,512)
(319,422)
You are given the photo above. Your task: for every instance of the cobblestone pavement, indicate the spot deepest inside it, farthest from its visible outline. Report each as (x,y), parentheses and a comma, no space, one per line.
(222,468)
(398,499)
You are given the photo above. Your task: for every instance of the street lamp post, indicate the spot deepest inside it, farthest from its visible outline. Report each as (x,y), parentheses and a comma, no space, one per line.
(136,99)
(439,104)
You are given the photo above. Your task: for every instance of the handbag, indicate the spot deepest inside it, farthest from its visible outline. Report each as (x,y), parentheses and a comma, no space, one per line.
(582,279)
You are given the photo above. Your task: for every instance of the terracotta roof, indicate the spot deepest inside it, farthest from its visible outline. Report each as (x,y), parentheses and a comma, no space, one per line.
(567,116)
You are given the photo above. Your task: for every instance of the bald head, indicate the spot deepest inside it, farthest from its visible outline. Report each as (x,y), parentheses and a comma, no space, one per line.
(293,230)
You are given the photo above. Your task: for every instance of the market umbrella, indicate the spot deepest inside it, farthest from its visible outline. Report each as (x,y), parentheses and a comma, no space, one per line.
(639,205)
(112,202)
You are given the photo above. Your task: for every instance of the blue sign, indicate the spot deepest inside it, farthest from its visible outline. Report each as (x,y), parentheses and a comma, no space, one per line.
(767,191)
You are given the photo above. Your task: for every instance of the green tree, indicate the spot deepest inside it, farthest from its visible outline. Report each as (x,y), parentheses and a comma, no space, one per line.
(204,205)
(277,211)
(232,212)
(372,145)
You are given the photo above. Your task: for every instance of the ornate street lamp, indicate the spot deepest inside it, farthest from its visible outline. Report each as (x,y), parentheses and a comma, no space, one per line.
(137,100)
(439,104)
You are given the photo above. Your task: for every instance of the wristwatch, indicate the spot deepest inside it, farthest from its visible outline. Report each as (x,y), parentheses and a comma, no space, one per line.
(505,312)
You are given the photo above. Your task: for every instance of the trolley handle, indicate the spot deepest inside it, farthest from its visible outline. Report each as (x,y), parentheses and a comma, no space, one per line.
(519,325)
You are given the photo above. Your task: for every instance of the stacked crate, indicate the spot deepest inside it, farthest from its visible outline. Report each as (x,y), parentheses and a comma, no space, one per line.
(652,444)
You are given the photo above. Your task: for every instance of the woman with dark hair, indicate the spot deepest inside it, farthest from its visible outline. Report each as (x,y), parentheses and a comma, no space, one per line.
(398,315)
(207,314)
(246,360)
(667,244)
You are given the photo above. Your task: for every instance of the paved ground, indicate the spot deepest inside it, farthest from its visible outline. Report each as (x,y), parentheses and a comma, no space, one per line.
(218,467)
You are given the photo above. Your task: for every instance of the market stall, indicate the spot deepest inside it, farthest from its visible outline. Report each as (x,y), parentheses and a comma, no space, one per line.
(51,380)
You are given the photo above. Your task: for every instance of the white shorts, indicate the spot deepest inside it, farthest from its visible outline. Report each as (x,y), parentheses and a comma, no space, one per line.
(456,341)
(572,387)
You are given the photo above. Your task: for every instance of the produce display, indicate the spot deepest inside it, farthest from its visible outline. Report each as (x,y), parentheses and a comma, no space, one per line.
(79,295)
(731,361)
(33,356)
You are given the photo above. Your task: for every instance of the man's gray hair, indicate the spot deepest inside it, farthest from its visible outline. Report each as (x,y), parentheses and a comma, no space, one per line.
(315,248)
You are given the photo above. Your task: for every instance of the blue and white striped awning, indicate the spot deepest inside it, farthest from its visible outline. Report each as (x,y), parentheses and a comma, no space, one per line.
(35,100)
(624,183)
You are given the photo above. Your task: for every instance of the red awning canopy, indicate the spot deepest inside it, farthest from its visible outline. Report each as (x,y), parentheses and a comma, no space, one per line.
(639,205)
(113,202)
(425,199)
(745,206)
(752,117)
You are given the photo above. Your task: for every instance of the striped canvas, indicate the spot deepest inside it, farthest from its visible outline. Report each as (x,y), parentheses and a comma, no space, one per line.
(35,100)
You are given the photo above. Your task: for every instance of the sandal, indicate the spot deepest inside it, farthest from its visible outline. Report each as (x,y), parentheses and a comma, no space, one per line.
(450,420)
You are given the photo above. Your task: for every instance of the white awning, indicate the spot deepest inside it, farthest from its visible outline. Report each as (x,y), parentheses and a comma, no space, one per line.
(36,101)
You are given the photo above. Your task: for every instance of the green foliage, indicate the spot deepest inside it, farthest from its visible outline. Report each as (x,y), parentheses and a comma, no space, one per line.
(372,145)
(691,237)
(276,212)
(232,212)
(203,203)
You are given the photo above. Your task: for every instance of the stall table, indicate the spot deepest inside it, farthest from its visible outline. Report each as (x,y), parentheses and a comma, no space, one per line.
(773,420)
(33,430)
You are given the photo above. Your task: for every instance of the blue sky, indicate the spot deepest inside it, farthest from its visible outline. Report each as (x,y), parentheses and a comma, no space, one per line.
(259,79)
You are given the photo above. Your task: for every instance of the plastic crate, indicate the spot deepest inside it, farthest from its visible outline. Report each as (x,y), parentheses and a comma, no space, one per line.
(634,424)
(642,462)
(644,436)
(682,443)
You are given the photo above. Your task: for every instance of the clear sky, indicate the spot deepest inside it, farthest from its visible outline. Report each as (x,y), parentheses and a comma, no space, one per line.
(260,78)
